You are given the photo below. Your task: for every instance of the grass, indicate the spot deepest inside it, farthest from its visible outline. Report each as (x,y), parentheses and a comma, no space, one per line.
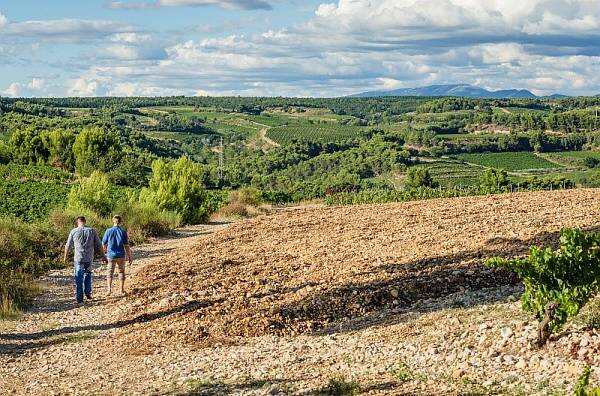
(339,386)
(512,161)
(402,373)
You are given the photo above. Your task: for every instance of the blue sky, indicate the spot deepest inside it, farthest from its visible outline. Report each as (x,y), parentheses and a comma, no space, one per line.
(295,48)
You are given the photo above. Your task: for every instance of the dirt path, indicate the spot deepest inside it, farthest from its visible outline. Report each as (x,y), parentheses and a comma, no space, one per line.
(58,338)
(262,135)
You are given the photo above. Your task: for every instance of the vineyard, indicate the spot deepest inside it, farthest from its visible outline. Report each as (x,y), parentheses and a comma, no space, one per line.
(317,133)
(30,192)
(574,158)
(511,161)
(452,173)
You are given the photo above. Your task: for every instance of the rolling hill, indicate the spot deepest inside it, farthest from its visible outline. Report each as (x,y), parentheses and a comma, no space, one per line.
(462,90)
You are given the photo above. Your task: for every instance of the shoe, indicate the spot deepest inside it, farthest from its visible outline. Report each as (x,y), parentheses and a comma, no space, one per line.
(89,297)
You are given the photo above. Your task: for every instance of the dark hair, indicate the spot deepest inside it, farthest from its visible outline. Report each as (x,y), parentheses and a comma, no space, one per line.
(118,218)
(80,219)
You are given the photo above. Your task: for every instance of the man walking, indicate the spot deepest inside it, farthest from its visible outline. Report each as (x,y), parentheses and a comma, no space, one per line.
(116,248)
(85,243)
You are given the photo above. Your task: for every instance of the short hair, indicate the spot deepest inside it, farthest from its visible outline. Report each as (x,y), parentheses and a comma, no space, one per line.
(80,219)
(118,219)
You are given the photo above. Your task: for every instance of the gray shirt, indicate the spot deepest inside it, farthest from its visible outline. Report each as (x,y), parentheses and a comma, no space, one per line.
(85,242)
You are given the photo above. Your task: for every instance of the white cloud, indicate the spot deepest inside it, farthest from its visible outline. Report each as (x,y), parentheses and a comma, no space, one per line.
(349,46)
(227,4)
(74,29)
(14,90)
(3,20)
(86,86)
(36,84)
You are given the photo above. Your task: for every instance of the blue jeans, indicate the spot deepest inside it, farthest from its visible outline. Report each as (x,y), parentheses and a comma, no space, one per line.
(83,280)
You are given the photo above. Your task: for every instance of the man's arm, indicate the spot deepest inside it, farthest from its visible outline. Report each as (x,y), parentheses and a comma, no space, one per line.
(99,248)
(68,247)
(128,252)
(127,248)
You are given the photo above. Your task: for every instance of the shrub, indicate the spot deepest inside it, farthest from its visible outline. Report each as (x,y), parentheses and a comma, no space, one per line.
(144,221)
(494,180)
(93,193)
(418,177)
(339,386)
(63,221)
(582,388)
(17,289)
(25,251)
(234,210)
(177,186)
(246,196)
(591,162)
(558,283)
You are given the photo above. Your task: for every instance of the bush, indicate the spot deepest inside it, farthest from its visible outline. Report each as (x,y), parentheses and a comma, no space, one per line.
(591,162)
(177,186)
(144,221)
(25,251)
(93,193)
(418,177)
(339,386)
(17,290)
(245,196)
(582,388)
(494,180)
(235,209)
(558,283)
(63,221)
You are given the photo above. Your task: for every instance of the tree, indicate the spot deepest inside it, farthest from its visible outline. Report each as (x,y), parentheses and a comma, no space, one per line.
(60,148)
(494,180)
(419,177)
(177,186)
(27,147)
(95,149)
(93,193)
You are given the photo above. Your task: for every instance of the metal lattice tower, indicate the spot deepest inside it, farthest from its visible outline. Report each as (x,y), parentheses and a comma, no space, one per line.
(221,154)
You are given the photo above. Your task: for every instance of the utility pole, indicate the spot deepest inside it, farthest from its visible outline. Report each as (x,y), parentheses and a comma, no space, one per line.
(221,153)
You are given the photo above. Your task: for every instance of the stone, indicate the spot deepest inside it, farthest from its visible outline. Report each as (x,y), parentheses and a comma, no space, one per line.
(521,364)
(506,332)
(458,373)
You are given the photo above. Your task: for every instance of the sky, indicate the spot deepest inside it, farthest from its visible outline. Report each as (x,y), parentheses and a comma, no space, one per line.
(295,47)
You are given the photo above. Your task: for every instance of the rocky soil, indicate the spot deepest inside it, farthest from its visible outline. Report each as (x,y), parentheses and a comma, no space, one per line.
(386,298)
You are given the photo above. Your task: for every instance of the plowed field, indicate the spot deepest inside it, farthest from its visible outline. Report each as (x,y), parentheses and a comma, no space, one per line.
(324,270)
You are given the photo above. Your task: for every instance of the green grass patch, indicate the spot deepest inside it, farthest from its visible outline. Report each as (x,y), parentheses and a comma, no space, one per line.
(514,161)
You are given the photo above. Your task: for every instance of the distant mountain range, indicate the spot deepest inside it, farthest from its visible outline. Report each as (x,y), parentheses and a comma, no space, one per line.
(463,90)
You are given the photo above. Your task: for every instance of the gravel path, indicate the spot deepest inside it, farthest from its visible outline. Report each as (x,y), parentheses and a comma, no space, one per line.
(48,348)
